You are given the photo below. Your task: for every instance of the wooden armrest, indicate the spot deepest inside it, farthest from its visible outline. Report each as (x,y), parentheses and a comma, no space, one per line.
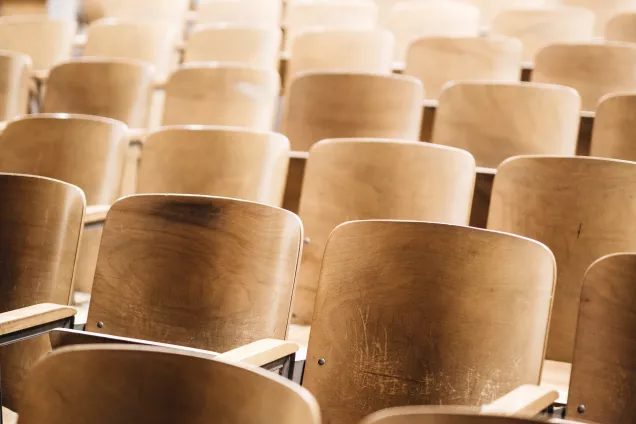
(299,155)
(525,401)
(430,103)
(487,171)
(261,352)
(8,416)
(96,213)
(138,135)
(41,75)
(32,316)
(588,114)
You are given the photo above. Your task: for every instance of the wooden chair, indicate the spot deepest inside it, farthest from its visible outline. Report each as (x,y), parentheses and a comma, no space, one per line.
(114,88)
(46,41)
(265,13)
(412,20)
(539,27)
(217,161)
(443,415)
(594,70)
(351,179)
(144,10)
(495,121)
(142,384)
(396,321)
(147,41)
(581,208)
(621,27)
(23,7)
(40,226)
(438,60)
(341,50)
(15,71)
(613,133)
(604,10)
(217,94)
(489,9)
(323,105)
(249,46)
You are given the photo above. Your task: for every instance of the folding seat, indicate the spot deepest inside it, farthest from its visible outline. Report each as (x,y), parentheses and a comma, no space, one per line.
(604,10)
(613,132)
(621,27)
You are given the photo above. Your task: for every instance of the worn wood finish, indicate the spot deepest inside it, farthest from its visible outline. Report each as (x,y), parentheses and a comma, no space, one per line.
(440,415)
(113,88)
(144,384)
(621,27)
(353,179)
(604,351)
(539,27)
(222,268)
(594,70)
(40,225)
(217,94)
(322,105)
(246,45)
(396,321)
(15,73)
(604,10)
(438,60)
(242,12)
(46,41)
(412,20)
(215,161)
(495,121)
(581,208)
(614,129)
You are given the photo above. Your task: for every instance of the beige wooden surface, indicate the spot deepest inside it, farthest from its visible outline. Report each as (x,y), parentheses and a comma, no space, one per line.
(250,13)
(489,9)
(615,127)
(15,73)
(604,10)
(32,316)
(622,27)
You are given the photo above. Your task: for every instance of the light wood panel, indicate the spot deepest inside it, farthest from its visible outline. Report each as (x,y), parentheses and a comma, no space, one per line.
(242,12)
(440,415)
(323,105)
(489,9)
(604,10)
(144,10)
(438,60)
(495,121)
(397,321)
(24,7)
(217,94)
(622,27)
(614,130)
(594,70)
(15,72)
(581,208)
(205,272)
(160,386)
(227,162)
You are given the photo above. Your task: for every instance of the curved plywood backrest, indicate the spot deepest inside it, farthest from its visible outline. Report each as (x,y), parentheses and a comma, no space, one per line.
(46,41)
(40,225)
(414,313)
(581,208)
(594,70)
(246,45)
(144,10)
(614,131)
(154,385)
(376,179)
(206,272)
(440,415)
(495,121)
(412,20)
(342,50)
(604,351)
(217,94)
(539,27)
(114,88)
(322,105)
(438,60)
(621,27)
(86,151)
(490,8)
(217,161)
(604,10)
(242,12)
(15,79)
(147,41)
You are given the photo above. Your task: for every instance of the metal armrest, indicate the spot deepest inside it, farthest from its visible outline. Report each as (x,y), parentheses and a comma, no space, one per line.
(524,401)
(96,214)
(33,320)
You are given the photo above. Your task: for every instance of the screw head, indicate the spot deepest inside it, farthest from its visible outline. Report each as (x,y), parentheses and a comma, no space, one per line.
(306,240)
(100,324)
(580,409)
(321,361)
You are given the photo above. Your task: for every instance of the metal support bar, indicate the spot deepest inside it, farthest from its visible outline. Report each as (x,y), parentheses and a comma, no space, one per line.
(283,366)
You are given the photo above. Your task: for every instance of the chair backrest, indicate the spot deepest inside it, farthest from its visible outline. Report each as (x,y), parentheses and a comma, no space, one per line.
(537,28)
(133,384)
(222,94)
(23,7)
(604,352)
(115,88)
(46,41)
(241,12)
(341,50)
(622,27)
(246,45)
(414,312)
(321,105)
(604,10)
(581,208)
(441,415)
(594,70)
(489,9)
(15,78)
(614,128)
(495,121)
(148,41)
(352,179)
(86,151)
(216,161)
(438,60)
(412,20)
(206,272)
(144,10)
(40,226)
